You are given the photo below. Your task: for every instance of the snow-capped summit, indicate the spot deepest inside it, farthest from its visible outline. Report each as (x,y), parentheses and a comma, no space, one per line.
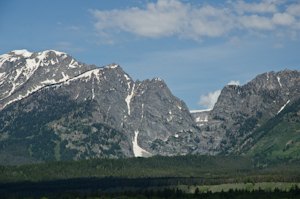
(23,53)
(32,71)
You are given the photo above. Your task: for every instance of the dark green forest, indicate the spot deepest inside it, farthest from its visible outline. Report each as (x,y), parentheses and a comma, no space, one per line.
(169,193)
(103,173)
(210,167)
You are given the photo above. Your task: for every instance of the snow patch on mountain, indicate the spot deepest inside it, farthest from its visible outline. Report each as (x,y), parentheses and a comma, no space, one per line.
(87,75)
(128,99)
(30,67)
(73,64)
(283,106)
(200,116)
(199,119)
(23,53)
(47,82)
(2,75)
(14,56)
(278,79)
(199,111)
(127,78)
(53,81)
(22,96)
(137,150)
(113,65)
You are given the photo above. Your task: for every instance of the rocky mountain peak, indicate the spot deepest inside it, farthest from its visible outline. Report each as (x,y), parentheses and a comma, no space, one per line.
(33,71)
(22,53)
(240,108)
(112,66)
(280,80)
(265,93)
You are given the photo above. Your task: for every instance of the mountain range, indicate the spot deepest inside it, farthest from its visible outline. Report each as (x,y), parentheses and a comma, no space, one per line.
(55,108)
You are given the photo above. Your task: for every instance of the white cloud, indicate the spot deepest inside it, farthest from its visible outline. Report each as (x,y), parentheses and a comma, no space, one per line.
(283,19)
(256,22)
(263,7)
(173,17)
(294,9)
(232,82)
(212,22)
(212,97)
(210,100)
(164,18)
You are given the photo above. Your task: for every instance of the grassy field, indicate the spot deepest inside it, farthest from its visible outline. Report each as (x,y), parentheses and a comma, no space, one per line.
(267,186)
(225,187)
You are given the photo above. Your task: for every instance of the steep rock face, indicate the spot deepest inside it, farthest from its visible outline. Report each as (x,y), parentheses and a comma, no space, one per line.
(267,92)
(240,109)
(114,116)
(145,111)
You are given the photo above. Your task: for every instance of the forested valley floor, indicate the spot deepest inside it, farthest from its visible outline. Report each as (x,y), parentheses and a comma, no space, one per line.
(116,176)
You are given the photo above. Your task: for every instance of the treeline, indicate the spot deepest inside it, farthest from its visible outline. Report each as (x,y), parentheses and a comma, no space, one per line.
(153,167)
(95,174)
(107,184)
(231,169)
(169,193)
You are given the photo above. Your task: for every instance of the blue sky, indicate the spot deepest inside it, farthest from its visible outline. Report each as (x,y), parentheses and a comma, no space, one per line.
(196,47)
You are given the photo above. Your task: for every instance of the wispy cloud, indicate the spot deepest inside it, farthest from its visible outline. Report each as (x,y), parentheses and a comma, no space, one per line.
(72,28)
(68,46)
(234,41)
(64,43)
(173,17)
(276,46)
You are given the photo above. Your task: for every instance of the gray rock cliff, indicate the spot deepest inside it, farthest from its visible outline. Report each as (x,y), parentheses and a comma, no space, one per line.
(240,109)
